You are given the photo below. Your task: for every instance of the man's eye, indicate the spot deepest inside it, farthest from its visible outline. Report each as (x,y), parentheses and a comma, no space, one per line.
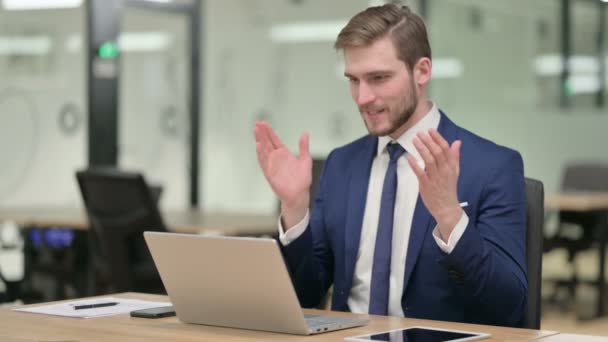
(380,77)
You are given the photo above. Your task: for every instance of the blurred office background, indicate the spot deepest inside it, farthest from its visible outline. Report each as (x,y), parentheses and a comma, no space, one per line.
(498,70)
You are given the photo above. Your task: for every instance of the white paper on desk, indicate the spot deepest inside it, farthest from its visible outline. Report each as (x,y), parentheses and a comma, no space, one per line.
(67,308)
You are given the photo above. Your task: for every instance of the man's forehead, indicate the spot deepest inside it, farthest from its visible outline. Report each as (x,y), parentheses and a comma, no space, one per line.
(372,65)
(377,56)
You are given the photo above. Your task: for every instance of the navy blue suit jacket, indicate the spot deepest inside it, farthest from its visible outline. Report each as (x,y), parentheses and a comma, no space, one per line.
(482,281)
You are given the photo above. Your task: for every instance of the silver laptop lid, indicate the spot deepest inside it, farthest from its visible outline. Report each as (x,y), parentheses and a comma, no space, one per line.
(227,281)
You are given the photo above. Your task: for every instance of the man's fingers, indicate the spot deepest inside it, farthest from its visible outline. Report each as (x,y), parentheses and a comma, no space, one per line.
(263,145)
(262,156)
(418,171)
(261,136)
(439,140)
(272,136)
(429,160)
(259,140)
(304,146)
(264,150)
(434,148)
(455,152)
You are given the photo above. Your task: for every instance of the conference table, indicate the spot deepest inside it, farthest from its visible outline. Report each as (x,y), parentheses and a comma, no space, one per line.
(577,201)
(183,221)
(595,204)
(23,326)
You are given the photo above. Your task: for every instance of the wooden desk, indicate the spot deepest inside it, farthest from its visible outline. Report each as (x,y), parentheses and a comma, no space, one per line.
(593,203)
(577,201)
(21,326)
(183,221)
(573,338)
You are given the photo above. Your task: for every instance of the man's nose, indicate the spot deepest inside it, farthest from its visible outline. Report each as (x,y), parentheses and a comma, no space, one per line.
(365,95)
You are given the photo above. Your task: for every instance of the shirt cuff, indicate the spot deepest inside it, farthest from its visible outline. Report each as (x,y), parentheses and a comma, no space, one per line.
(286,237)
(455,235)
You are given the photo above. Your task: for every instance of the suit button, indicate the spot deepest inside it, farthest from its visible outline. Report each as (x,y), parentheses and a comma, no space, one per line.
(407,308)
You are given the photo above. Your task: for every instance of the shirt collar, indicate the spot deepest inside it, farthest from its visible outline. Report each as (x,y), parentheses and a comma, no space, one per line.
(430,120)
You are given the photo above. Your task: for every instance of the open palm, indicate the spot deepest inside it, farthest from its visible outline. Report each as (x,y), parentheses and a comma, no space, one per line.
(289,176)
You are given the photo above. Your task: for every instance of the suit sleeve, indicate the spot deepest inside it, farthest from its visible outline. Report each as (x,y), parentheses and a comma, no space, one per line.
(309,258)
(490,259)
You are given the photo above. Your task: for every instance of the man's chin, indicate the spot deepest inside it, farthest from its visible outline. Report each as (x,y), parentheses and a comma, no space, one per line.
(379,131)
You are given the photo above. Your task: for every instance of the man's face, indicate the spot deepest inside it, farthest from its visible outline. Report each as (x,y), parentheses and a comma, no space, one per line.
(381,85)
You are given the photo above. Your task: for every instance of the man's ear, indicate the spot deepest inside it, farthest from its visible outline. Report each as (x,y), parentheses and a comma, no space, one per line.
(422,71)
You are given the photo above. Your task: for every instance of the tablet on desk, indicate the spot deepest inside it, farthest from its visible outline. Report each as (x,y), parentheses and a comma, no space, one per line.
(419,334)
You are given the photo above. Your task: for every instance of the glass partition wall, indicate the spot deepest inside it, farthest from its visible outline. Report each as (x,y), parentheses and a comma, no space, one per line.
(43,121)
(153,126)
(496,71)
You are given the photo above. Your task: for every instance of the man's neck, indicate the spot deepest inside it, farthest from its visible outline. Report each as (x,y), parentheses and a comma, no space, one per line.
(423,108)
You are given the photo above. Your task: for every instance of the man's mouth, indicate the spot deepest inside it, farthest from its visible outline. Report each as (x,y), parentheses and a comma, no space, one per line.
(374,112)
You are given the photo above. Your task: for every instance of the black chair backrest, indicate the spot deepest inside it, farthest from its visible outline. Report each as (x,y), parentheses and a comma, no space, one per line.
(120,207)
(583,176)
(535,212)
(317,169)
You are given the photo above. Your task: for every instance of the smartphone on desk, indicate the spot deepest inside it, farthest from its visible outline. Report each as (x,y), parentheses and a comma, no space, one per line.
(158,312)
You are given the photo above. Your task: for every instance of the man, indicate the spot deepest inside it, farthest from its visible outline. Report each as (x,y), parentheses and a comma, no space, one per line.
(420,218)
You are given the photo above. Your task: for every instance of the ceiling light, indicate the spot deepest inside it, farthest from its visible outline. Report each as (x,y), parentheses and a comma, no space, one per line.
(32,45)
(143,41)
(16,5)
(553,64)
(447,68)
(307,31)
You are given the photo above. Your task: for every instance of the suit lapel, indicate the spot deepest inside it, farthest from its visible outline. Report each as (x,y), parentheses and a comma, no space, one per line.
(357,195)
(422,221)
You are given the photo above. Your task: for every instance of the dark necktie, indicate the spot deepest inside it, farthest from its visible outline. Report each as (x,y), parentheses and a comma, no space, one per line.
(380,283)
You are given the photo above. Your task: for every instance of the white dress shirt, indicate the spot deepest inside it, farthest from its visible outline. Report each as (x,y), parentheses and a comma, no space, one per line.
(405,203)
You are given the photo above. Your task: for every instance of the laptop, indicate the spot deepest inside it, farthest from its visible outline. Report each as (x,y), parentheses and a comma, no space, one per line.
(234,282)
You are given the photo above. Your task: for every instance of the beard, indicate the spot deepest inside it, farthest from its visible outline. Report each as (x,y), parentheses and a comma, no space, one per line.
(398,118)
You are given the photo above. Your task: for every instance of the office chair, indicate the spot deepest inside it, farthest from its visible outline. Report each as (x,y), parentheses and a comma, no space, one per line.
(11,262)
(120,207)
(576,230)
(317,169)
(535,215)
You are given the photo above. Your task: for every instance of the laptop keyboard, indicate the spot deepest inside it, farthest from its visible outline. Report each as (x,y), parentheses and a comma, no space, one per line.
(314,321)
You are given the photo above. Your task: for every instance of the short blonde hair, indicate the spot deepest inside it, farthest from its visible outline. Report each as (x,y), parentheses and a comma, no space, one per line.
(405,28)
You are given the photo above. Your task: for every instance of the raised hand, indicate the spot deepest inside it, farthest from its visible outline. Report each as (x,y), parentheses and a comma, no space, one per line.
(289,176)
(439,180)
